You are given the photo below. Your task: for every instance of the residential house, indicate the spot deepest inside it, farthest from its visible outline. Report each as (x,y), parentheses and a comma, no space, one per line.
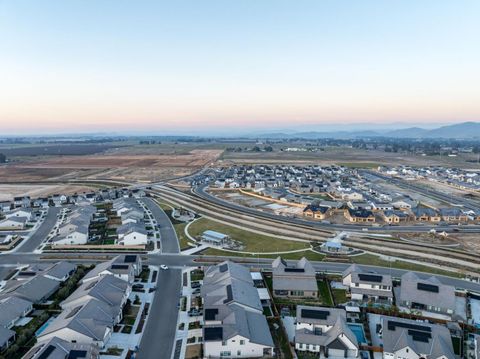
(410,339)
(60,271)
(394,216)
(59,348)
(297,280)
(36,289)
(132,234)
(125,267)
(7,337)
(13,309)
(425,294)
(234,324)
(5,206)
(424,214)
(453,215)
(13,223)
(317,212)
(367,286)
(324,331)
(359,215)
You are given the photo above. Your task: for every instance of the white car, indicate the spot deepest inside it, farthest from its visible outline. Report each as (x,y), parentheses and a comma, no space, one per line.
(164,267)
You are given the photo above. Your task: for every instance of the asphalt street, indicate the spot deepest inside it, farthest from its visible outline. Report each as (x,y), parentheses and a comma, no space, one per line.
(41,233)
(159,335)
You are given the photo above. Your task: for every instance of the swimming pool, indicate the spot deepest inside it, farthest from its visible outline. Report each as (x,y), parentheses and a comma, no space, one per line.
(44,326)
(357,329)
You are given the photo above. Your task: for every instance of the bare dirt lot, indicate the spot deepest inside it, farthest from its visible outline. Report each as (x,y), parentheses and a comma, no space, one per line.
(149,167)
(348,157)
(7,192)
(465,241)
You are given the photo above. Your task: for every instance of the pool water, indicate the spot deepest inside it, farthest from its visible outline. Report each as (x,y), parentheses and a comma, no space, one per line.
(357,329)
(44,326)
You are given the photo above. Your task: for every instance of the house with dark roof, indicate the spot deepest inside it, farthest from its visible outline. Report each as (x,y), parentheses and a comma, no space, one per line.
(294,280)
(359,215)
(317,212)
(410,339)
(453,215)
(394,216)
(366,286)
(424,214)
(324,331)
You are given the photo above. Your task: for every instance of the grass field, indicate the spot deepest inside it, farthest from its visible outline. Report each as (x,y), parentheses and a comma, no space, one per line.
(252,242)
(312,256)
(339,296)
(371,259)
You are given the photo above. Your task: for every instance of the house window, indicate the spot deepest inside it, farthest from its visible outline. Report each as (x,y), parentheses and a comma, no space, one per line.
(224,343)
(239,352)
(242,342)
(225,354)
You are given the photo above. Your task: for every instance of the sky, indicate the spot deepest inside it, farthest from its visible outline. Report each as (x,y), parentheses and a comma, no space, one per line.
(196,66)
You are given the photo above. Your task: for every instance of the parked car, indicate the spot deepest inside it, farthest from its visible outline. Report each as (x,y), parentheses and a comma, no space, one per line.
(195,285)
(194,312)
(164,267)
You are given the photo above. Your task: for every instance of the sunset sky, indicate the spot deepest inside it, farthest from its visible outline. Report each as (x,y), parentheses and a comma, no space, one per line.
(202,65)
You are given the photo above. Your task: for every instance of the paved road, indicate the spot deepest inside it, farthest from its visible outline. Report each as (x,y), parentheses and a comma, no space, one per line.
(41,233)
(200,191)
(159,335)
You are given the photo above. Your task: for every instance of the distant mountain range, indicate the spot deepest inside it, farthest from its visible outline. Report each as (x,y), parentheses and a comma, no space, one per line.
(465,130)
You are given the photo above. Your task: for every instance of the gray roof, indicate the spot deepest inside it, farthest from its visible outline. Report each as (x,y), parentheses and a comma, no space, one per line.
(5,336)
(61,269)
(248,324)
(108,289)
(61,349)
(355,270)
(228,291)
(91,318)
(300,276)
(445,298)
(330,319)
(397,337)
(35,290)
(328,337)
(131,227)
(12,308)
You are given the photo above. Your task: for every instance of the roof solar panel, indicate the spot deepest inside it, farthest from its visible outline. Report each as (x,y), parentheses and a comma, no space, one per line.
(46,353)
(295,270)
(119,266)
(392,325)
(77,354)
(420,336)
(130,258)
(213,334)
(229,294)
(371,278)
(223,268)
(210,313)
(428,287)
(315,314)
